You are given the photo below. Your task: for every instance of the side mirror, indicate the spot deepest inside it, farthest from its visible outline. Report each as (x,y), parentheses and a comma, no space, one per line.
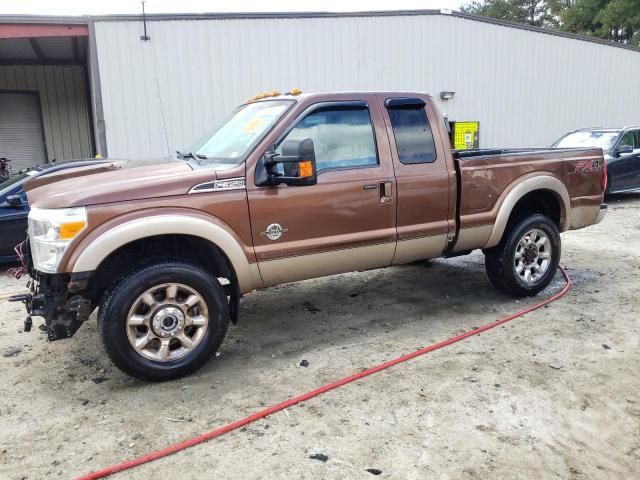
(624,149)
(298,161)
(14,201)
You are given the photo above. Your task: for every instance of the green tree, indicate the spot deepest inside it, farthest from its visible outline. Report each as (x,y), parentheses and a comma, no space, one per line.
(616,20)
(539,13)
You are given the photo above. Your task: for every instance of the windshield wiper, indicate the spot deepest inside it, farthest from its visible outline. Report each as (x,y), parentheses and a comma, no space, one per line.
(195,156)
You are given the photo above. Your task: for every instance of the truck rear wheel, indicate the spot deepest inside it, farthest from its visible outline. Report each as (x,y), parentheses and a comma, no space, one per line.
(163,320)
(527,257)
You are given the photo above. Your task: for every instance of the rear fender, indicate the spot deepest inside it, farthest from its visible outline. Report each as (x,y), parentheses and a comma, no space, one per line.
(523,187)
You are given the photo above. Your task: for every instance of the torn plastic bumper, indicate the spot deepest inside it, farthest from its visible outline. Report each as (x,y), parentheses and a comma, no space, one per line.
(58,298)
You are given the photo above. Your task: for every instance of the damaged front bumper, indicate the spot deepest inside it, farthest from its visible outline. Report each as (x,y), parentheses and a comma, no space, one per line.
(59,299)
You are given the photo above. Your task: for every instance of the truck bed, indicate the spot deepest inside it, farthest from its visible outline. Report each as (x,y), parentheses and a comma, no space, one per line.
(486,176)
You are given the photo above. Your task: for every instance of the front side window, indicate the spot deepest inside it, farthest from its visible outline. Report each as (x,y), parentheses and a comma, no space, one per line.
(414,138)
(629,138)
(342,137)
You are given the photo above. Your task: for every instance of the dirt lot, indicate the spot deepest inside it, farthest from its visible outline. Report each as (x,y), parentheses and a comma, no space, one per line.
(555,394)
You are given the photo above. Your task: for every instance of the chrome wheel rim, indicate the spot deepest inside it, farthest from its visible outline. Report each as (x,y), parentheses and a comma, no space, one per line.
(167,322)
(532,256)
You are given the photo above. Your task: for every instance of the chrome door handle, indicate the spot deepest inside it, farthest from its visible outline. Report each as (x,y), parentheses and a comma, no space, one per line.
(386,192)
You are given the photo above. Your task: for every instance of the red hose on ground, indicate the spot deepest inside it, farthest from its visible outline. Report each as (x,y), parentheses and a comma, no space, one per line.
(105,472)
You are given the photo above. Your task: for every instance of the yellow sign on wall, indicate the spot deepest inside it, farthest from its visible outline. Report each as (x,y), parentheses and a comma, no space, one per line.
(466,135)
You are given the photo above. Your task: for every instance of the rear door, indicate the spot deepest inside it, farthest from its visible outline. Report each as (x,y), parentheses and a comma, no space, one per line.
(347,220)
(425,185)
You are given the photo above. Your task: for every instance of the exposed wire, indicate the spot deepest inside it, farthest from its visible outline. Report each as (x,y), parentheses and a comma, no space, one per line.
(23,269)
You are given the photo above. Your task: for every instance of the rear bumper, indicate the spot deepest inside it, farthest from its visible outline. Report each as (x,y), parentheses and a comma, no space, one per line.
(602,213)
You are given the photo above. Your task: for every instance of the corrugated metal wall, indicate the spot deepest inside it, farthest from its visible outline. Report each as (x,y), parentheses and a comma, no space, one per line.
(526,88)
(63,100)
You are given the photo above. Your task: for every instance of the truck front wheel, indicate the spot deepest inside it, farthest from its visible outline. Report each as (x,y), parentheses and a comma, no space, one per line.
(527,257)
(163,320)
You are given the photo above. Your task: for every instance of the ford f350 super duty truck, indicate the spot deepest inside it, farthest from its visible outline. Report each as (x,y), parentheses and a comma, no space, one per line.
(289,187)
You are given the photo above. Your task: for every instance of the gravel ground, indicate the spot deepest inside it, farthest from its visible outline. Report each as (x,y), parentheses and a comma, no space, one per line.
(554,394)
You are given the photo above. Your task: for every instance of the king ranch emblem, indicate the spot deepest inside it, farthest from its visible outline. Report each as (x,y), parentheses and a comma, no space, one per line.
(274,231)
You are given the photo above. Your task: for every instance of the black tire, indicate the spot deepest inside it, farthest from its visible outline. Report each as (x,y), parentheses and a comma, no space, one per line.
(120,297)
(500,260)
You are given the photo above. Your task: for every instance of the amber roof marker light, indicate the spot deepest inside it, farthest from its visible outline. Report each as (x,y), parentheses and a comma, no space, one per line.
(274,93)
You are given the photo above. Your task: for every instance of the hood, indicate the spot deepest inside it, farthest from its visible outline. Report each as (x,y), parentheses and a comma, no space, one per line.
(58,172)
(115,181)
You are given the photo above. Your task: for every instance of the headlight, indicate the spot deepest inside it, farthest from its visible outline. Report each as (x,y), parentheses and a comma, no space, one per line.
(51,232)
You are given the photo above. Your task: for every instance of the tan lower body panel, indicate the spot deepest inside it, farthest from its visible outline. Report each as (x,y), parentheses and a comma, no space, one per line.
(583,216)
(419,249)
(473,237)
(302,267)
(255,279)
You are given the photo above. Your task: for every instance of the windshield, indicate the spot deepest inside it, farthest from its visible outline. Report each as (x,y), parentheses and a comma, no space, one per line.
(603,139)
(233,140)
(8,185)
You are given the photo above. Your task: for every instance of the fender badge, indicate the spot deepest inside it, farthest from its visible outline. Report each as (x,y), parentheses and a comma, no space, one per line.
(274,231)
(585,166)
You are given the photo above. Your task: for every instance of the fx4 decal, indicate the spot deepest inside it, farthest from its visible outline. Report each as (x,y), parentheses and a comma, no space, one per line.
(586,166)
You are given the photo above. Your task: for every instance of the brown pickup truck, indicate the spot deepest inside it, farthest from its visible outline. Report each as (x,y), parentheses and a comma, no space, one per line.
(289,187)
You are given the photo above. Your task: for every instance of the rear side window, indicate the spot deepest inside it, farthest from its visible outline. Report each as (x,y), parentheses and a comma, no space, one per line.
(414,138)
(342,137)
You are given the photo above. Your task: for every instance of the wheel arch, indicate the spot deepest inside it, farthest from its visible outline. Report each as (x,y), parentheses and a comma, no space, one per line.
(209,232)
(539,194)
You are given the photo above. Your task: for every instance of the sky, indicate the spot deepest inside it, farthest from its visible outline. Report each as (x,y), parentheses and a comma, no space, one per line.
(105,7)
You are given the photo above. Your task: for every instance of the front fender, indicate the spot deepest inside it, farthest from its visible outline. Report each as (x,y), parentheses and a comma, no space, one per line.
(93,249)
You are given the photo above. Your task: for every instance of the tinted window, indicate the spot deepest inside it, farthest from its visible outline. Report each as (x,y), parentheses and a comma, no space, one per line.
(342,138)
(629,138)
(8,185)
(414,139)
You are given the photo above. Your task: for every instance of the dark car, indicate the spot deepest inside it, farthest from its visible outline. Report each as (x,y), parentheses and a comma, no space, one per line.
(621,148)
(14,209)
(13,214)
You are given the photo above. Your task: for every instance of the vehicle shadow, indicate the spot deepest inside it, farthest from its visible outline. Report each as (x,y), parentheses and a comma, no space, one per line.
(436,299)
(622,198)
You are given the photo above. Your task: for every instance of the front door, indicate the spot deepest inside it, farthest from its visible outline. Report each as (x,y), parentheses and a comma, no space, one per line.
(347,221)
(625,171)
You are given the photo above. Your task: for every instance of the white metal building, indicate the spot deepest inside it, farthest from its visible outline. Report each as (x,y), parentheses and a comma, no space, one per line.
(526,86)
